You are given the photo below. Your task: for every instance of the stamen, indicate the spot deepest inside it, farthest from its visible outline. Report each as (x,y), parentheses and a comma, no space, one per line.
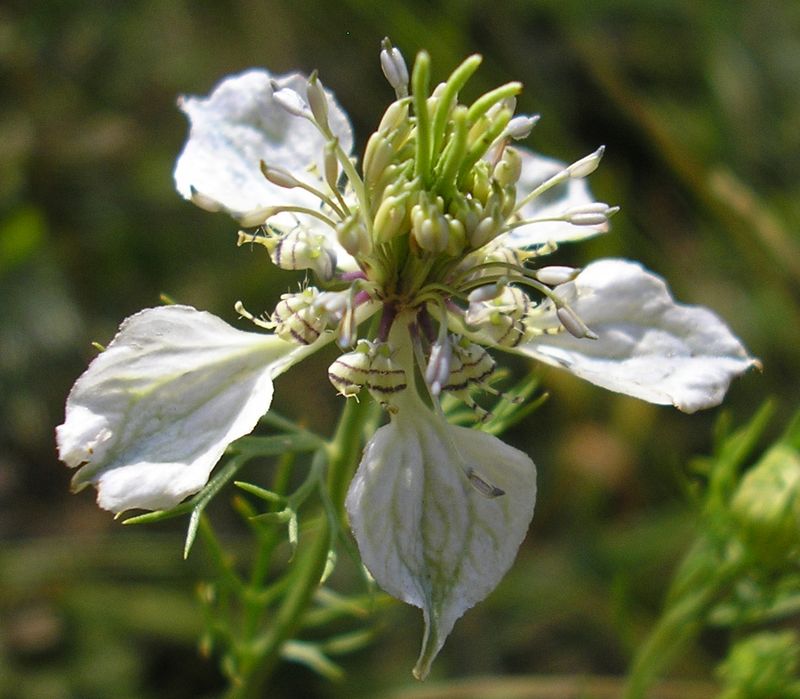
(394,68)
(290,100)
(573,324)
(521,126)
(283,178)
(317,101)
(555,275)
(578,170)
(244,313)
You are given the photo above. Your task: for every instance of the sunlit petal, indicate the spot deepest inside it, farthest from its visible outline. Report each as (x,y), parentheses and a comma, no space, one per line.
(153,413)
(439,512)
(240,124)
(648,345)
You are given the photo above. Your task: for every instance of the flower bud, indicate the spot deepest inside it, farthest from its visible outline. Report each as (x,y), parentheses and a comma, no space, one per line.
(481,184)
(766,504)
(429,227)
(491,224)
(457,236)
(486,231)
(762,666)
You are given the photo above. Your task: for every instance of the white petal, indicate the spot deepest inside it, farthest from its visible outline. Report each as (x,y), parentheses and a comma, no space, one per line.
(153,413)
(240,124)
(427,534)
(574,192)
(649,346)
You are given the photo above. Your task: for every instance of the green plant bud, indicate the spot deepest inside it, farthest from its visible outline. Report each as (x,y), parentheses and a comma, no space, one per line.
(762,666)
(378,189)
(377,157)
(766,505)
(509,201)
(484,232)
(457,236)
(390,218)
(481,183)
(468,211)
(395,116)
(331,164)
(353,236)
(429,228)
(508,170)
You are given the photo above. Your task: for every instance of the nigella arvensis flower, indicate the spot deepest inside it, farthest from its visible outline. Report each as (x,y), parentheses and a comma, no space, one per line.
(440,231)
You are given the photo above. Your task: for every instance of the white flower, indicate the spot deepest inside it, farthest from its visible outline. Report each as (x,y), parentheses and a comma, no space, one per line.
(441,232)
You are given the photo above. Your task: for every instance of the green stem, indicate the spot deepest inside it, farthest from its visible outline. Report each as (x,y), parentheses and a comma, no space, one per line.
(345,449)
(259,659)
(682,621)
(267,541)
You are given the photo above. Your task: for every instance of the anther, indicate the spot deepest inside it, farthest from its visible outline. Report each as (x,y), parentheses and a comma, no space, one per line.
(573,324)
(585,166)
(278,176)
(555,275)
(394,68)
(289,100)
(594,214)
(317,100)
(521,126)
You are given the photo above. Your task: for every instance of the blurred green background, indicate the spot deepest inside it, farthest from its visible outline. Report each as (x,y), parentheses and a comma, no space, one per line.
(699,107)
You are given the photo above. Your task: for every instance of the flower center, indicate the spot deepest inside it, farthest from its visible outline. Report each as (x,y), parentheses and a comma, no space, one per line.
(426,224)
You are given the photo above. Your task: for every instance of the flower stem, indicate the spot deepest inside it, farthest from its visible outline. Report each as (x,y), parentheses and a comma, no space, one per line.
(259,659)
(682,621)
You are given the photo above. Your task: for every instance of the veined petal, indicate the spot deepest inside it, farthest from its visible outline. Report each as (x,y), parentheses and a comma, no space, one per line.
(431,523)
(153,413)
(648,345)
(238,125)
(554,202)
